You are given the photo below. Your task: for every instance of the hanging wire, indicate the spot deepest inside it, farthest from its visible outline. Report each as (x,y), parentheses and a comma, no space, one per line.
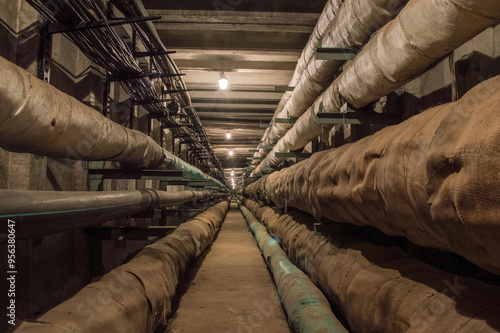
(105,47)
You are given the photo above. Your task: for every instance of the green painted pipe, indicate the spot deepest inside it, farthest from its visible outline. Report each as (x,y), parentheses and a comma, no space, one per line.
(306,307)
(190,172)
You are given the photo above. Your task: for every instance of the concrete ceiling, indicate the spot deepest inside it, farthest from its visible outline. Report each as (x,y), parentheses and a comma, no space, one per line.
(255,43)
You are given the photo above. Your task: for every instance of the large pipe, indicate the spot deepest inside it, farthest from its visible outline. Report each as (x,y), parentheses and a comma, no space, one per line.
(327,15)
(306,307)
(355,22)
(137,296)
(40,213)
(433,179)
(423,32)
(37,118)
(351,26)
(382,289)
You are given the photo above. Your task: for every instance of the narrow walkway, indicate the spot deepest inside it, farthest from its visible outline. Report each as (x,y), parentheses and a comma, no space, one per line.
(232,290)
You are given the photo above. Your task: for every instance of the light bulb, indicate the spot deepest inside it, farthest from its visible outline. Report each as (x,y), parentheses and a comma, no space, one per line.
(231,153)
(228,135)
(232,172)
(223,82)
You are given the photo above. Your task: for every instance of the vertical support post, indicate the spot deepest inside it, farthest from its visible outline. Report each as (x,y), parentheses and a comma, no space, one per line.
(44,54)
(110,10)
(131,115)
(149,124)
(106,99)
(162,136)
(134,41)
(95,254)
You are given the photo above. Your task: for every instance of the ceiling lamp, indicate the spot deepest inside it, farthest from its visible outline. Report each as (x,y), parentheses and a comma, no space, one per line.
(231,153)
(232,172)
(228,135)
(223,81)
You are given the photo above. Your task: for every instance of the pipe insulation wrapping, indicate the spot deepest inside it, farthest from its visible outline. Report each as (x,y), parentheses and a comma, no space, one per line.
(40,213)
(433,179)
(355,22)
(136,296)
(382,289)
(423,32)
(37,118)
(306,307)
(350,24)
(326,17)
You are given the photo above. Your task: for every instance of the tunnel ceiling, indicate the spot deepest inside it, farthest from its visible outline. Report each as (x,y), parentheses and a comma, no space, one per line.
(255,43)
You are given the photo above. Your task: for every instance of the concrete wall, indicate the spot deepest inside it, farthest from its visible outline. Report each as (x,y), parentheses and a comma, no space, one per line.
(53,268)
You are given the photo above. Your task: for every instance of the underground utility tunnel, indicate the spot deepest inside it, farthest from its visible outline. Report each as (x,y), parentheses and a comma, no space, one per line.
(250,166)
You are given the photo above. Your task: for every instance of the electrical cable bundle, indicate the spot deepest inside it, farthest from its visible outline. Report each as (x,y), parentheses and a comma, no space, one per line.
(105,47)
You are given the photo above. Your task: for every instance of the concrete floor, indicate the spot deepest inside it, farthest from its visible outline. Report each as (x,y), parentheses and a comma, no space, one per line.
(232,290)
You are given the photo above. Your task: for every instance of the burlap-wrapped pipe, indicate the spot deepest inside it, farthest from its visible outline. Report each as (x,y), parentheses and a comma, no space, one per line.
(327,15)
(355,22)
(383,289)
(423,32)
(433,179)
(135,297)
(306,307)
(37,118)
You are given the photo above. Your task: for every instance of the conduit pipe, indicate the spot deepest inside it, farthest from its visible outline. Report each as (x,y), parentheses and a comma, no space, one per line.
(433,179)
(306,307)
(353,24)
(423,32)
(382,289)
(137,296)
(40,213)
(37,118)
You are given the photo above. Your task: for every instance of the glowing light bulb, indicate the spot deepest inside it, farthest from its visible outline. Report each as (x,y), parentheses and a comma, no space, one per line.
(231,153)
(228,135)
(232,172)
(223,82)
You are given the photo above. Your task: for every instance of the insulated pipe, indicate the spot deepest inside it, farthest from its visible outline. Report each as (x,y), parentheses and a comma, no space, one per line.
(37,118)
(433,179)
(326,17)
(382,289)
(137,296)
(306,307)
(423,32)
(189,171)
(351,26)
(40,213)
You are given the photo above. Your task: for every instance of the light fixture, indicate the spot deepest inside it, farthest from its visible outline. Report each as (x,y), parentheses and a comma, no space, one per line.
(228,135)
(232,172)
(223,81)
(231,153)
